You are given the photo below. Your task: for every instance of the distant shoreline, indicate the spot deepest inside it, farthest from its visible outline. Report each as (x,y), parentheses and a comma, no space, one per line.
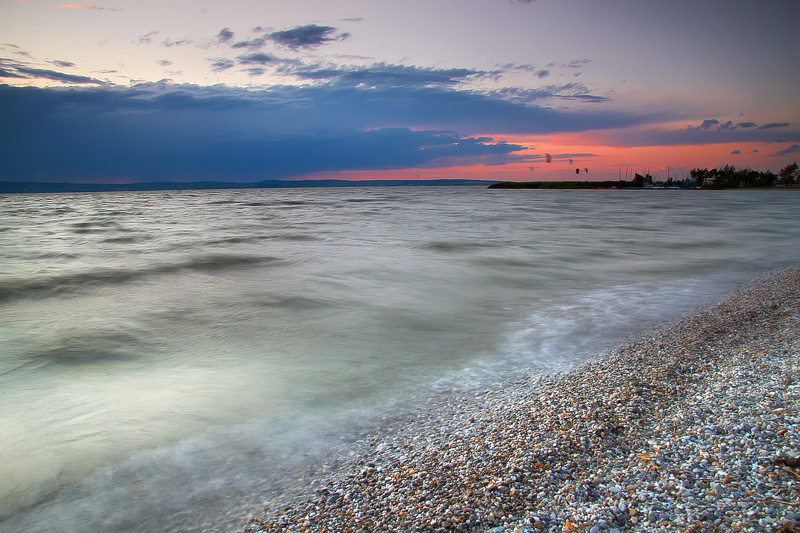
(21,187)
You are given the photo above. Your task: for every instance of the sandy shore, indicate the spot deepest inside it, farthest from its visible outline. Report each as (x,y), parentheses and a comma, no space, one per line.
(694,427)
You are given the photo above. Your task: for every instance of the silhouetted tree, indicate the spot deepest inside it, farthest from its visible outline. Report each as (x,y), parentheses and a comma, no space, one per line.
(768,179)
(699,175)
(729,177)
(789,174)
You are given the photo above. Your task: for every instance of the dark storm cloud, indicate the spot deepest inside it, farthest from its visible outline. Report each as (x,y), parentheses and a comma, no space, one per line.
(746,124)
(308,36)
(772,125)
(160,131)
(63,64)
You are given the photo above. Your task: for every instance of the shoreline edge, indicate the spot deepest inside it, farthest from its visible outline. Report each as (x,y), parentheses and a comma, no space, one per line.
(691,427)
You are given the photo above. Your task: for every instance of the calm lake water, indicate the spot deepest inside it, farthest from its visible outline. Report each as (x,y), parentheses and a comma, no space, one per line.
(167,359)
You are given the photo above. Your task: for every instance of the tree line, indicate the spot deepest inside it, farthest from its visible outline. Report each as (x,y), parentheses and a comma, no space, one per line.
(729,177)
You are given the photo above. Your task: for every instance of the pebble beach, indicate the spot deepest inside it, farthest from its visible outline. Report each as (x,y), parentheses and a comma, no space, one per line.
(692,427)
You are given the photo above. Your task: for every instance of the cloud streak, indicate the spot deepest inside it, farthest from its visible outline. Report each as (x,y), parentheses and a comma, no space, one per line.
(773,125)
(252,44)
(16,70)
(86,6)
(256,59)
(793,149)
(711,131)
(383,75)
(706,125)
(713,124)
(169,43)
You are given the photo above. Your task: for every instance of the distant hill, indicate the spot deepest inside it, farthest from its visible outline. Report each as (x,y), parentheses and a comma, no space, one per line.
(30,187)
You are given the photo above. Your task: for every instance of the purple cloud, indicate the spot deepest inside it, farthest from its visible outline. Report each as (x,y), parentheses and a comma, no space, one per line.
(383,75)
(256,59)
(219,65)
(224,35)
(308,36)
(706,125)
(774,125)
(12,69)
(10,73)
(252,44)
(793,149)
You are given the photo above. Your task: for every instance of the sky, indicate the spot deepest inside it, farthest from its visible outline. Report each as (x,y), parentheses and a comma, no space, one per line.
(524,90)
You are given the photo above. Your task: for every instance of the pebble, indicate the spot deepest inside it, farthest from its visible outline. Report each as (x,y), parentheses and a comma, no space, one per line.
(686,429)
